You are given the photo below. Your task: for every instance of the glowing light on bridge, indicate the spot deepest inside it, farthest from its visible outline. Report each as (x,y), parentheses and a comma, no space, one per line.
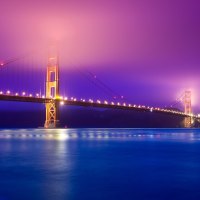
(104,103)
(91,101)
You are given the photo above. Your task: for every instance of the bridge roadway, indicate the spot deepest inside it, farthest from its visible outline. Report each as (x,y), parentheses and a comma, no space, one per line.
(91,103)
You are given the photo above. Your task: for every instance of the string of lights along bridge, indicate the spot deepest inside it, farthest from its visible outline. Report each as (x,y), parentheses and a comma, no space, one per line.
(53,99)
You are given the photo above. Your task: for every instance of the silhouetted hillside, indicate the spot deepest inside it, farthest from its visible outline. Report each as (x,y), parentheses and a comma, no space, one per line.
(90,117)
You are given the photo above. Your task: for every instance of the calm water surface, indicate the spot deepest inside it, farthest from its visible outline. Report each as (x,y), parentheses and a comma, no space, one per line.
(99,164)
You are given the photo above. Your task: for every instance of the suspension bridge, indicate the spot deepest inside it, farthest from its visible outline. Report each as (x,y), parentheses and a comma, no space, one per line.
(53,99)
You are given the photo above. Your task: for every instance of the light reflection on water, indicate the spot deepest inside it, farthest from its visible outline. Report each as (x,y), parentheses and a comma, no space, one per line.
(96,164)
(102,134)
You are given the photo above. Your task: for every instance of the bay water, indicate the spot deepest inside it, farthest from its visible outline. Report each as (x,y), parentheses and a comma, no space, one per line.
(99,164)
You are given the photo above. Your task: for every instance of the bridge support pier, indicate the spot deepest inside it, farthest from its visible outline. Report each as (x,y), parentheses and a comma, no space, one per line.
(52,88)
(188,122)
(52,113)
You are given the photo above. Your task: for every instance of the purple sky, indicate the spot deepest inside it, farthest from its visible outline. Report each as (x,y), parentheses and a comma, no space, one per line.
(146,50)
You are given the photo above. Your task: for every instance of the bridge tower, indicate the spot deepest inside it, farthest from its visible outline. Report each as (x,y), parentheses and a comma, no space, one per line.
(188,108)
(187,102)
(52,88)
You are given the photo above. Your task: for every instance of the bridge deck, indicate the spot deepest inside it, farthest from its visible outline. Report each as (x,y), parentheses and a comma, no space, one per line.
(91,103)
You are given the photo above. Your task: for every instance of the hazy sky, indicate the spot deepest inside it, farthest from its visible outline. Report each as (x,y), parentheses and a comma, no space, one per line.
(147,50)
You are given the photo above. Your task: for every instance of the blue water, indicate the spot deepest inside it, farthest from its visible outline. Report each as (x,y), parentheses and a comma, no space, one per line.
(100,164)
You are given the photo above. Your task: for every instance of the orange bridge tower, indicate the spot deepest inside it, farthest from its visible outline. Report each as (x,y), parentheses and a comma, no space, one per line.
(188,108)
(187,102)
(52,88)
